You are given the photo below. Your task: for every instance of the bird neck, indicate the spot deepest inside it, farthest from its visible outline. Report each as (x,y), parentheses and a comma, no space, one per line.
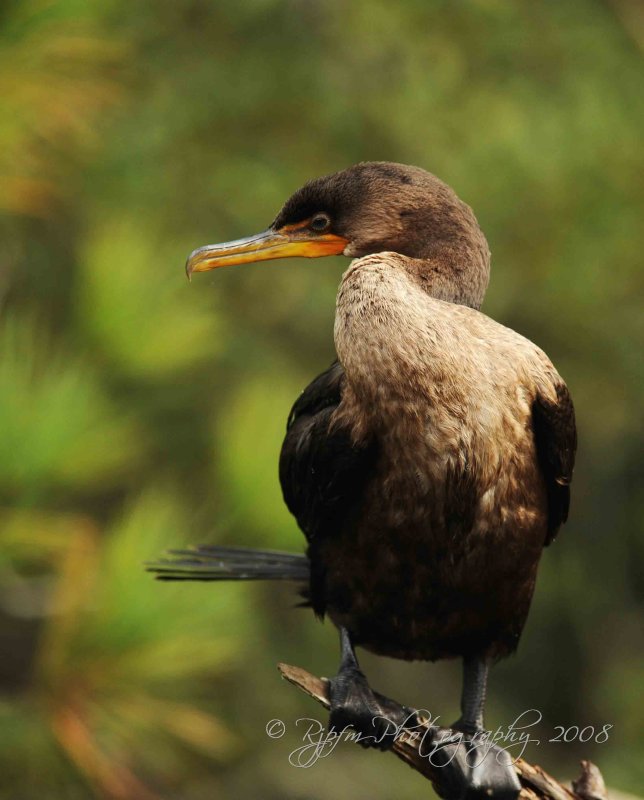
(455,272)
(386,328)
(441,246)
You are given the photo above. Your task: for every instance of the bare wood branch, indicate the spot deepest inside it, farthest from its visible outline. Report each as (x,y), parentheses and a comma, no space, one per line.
(536,783)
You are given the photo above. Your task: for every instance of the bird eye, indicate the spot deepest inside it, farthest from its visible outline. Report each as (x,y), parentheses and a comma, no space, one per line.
(320,222)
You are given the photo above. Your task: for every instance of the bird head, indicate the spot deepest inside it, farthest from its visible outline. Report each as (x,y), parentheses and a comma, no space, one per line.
(373,207)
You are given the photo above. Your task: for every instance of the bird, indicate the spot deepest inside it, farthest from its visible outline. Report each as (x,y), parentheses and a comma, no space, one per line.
(429,465)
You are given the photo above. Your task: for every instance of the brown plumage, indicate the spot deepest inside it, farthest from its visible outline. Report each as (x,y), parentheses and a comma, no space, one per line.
(431,464)
(437,555)
(456,514)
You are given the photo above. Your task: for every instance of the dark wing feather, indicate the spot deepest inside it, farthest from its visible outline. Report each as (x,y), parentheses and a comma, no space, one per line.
(556,440)
(322,471)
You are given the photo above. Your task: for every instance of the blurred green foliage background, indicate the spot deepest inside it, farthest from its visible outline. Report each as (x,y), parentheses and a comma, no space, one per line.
(138,412)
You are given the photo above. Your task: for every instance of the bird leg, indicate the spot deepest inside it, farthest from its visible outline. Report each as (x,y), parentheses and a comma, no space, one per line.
(473,767)
(354,704)
(475,675)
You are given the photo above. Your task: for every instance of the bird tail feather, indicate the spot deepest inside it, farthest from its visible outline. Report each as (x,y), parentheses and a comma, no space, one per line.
(220,563)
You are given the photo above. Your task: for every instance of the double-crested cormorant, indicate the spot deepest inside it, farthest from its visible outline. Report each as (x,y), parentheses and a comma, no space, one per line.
(431,463)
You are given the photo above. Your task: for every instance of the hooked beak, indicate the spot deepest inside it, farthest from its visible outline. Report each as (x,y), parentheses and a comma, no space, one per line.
(291,240)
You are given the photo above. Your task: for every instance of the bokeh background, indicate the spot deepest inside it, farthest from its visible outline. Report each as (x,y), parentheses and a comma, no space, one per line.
(138,412)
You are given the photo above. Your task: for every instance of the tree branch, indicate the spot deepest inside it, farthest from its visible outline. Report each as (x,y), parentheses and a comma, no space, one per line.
(535,782)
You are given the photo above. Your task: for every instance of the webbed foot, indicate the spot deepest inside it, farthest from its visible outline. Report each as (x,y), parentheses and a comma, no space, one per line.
(472,768)
(376,719)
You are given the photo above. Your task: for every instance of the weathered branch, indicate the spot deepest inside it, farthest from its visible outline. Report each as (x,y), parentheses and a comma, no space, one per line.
(536,783)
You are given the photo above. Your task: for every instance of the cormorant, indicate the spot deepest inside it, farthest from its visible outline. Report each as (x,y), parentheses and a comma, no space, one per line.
(430,464)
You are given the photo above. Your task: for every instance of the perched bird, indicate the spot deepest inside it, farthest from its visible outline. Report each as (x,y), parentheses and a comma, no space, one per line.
(430,464)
